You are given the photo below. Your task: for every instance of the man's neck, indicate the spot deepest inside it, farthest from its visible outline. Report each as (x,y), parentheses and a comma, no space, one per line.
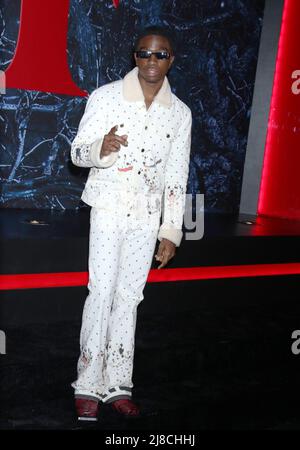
(150,90)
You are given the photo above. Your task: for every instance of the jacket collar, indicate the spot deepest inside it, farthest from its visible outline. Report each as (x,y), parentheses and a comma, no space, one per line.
(132,90)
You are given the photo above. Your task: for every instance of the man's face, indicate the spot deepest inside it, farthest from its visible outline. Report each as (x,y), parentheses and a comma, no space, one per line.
(153,70)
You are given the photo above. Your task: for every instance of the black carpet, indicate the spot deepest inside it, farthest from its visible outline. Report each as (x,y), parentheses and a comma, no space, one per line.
(210,355)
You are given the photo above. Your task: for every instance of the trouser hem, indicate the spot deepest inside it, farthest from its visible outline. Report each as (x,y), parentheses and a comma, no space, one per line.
(113,393)
(107,396)
(117,397)
(88,397)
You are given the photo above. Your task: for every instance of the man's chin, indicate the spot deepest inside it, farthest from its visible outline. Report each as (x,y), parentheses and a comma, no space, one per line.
(153,79)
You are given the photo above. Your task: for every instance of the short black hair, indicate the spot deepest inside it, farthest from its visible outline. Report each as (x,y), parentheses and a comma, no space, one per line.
(158,31)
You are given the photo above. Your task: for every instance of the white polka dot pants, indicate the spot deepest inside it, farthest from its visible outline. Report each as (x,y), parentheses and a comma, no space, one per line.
(121,251)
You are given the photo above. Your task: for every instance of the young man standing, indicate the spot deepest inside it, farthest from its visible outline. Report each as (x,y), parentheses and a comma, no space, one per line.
(136,176)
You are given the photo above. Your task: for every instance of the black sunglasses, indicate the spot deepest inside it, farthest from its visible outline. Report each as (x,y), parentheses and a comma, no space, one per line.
(146,54)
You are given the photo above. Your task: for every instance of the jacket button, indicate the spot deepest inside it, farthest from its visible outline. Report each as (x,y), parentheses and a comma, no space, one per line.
(128,215)
(146,128)
(142,150)
(139,172)
(122,125)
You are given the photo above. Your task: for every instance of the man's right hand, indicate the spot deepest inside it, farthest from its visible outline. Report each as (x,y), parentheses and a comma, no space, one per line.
(112,142)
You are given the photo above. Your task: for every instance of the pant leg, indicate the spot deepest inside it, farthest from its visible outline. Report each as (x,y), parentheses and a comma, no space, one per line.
(106,237)
(135,263)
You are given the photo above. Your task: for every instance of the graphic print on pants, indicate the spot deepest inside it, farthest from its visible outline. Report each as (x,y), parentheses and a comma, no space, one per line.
(121,250)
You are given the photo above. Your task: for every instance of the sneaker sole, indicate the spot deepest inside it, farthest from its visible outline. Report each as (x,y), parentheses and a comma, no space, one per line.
(88,419)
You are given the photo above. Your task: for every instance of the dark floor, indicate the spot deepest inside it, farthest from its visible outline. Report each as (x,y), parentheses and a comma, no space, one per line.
(210,355)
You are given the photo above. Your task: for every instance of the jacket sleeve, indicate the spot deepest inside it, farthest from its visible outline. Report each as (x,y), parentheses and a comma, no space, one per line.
(85,149)
(176,177)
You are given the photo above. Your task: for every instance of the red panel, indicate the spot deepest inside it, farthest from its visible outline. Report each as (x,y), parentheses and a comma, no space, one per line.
(40,62)
(64,279)
(280,184)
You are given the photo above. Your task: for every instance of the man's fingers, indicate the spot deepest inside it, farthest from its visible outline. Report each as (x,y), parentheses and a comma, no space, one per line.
(112,142)
(117,139)
(113,129)
(164,261)
(160,252)
(121,139)
(159,255)
(163,257)
(125,138)
(114,146)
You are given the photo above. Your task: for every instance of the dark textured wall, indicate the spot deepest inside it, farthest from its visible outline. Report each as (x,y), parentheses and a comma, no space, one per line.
(213,73)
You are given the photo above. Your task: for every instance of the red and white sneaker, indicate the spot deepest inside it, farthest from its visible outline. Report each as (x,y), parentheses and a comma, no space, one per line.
(87,409)
(126,407)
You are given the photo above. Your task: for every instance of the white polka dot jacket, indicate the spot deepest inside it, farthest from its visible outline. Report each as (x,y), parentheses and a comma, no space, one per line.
(153,169)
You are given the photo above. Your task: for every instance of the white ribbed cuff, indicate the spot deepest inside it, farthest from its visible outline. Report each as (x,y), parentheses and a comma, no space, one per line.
(172,234)
(105,161)
(116,393)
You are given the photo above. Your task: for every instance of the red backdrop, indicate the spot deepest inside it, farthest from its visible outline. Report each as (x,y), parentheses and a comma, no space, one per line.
(280,183)
(40,62)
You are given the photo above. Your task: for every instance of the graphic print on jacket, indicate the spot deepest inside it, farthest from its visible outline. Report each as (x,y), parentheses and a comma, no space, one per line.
(155,165)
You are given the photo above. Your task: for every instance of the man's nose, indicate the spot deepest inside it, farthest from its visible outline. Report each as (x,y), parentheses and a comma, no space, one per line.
(153,58)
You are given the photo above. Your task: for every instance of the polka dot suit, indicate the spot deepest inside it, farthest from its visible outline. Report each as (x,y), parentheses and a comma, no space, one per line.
(129,191)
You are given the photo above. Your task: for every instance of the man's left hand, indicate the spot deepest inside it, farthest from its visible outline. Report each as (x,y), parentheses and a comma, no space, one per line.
(165,252)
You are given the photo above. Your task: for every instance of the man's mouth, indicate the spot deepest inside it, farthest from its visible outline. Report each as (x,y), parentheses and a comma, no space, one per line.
(152,70)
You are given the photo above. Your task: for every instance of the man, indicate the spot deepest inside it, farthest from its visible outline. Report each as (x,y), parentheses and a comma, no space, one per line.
(136,175)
